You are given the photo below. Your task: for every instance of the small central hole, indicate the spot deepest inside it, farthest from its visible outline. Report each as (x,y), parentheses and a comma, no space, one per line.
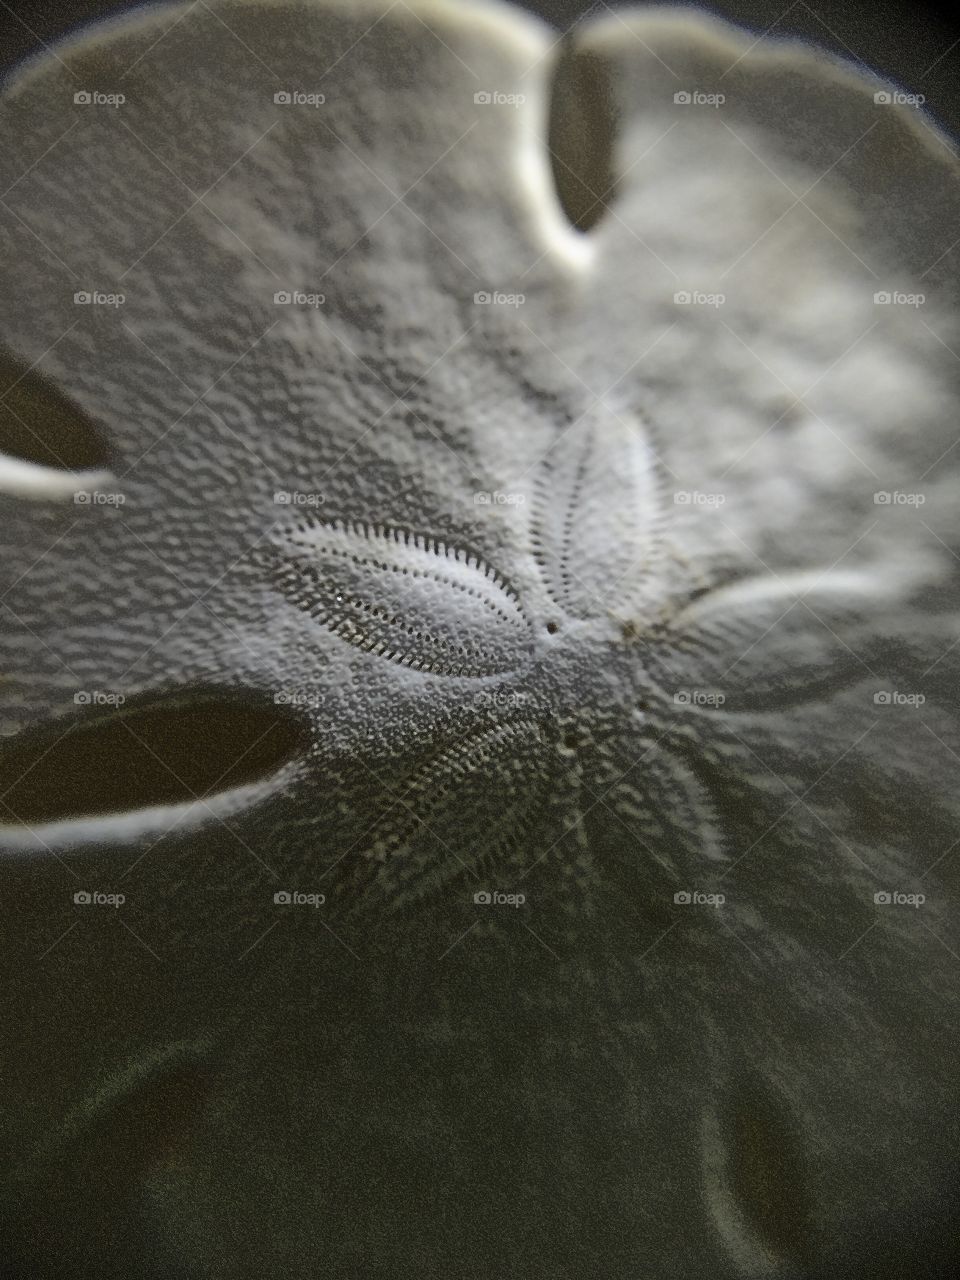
(553,628)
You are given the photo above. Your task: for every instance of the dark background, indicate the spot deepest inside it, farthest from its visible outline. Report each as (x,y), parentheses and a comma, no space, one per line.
(910,41)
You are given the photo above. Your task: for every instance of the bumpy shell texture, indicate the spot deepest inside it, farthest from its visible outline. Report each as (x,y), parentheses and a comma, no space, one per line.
(478,693)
